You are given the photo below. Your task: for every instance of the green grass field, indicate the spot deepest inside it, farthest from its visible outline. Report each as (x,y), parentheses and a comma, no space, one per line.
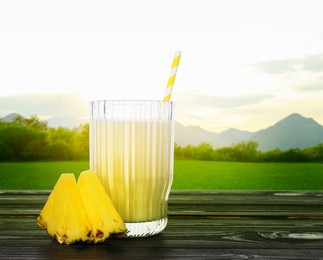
(198,175)
(247,176)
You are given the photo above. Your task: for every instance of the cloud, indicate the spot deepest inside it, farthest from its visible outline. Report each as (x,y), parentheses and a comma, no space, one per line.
(43,105)
(310,85)
(312,63)
(223,101)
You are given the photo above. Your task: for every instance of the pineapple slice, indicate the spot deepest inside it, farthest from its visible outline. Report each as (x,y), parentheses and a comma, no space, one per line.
(104,218)
(64,215)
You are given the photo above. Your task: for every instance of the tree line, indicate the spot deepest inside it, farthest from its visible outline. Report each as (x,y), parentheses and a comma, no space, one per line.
(247,151)
(26,139)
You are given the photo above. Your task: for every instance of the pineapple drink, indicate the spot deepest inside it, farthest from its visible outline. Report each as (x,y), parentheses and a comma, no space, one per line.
(131,150)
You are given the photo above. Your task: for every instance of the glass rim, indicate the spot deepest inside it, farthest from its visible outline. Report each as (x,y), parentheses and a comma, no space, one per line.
(132,101)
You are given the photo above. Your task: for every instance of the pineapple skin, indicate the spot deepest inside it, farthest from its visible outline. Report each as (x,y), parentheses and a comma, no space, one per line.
(104,218)
(63,215)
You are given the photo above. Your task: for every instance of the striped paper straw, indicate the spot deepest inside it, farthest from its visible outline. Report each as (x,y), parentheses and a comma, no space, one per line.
(170,83)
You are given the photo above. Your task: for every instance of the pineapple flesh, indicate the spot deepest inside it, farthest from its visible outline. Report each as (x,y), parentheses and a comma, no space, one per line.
(104,218)
(63,215)
(80,211)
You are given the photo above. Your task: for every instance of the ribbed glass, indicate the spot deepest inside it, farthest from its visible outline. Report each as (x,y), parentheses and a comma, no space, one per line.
(132,151)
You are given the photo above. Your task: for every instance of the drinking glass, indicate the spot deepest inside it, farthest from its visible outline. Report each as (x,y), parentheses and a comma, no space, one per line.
(132,152)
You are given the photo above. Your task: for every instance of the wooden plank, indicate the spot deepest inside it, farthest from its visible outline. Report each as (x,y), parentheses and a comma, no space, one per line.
(162,253)
(277,228)
(240,232)
(199,203)
(247,197)
(22,239)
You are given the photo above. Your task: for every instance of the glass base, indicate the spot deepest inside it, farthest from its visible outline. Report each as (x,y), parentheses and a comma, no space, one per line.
(144,229)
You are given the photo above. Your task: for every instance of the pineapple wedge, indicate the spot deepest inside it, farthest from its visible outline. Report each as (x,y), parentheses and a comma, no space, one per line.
(103,216)
(64,216)
(80,211)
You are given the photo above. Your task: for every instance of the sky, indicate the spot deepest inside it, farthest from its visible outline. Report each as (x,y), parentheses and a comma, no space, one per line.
(245,64)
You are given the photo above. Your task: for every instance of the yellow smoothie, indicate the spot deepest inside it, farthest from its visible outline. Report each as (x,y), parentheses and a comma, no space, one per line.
(134,160)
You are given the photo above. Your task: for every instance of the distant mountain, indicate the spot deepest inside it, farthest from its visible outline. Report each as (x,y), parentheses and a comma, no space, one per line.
(232,136)
(55,121)
(194,135)
(294,131)
(10,117)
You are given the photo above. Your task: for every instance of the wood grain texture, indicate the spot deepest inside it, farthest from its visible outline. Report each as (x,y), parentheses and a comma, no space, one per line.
(202,225)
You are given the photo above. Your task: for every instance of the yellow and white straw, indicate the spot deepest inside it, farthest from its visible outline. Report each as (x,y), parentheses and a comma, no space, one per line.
(171,80)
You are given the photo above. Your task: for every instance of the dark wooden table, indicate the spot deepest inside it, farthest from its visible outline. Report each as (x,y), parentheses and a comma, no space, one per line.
(202,225)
